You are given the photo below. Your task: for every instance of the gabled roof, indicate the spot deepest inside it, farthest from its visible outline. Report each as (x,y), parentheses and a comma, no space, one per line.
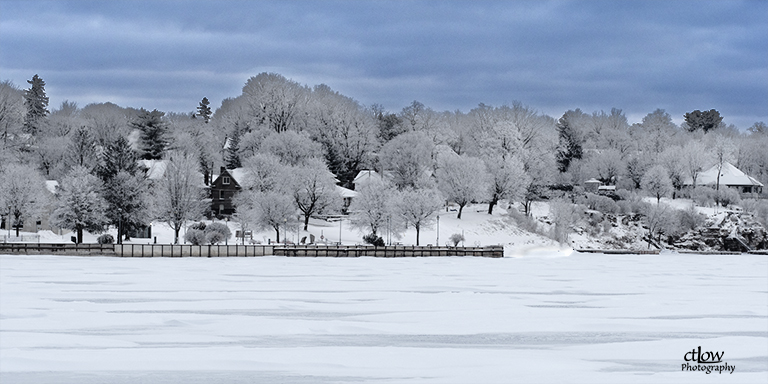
(51,186)
(155,168)
(346,192)
(729,176)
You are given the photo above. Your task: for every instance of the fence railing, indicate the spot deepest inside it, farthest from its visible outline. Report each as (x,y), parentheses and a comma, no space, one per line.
(168,250)
(63,248)
(8,239)
(387,251)
(188,250)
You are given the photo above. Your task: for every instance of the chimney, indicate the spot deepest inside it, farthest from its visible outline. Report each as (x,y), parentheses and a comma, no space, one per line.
(205,176)
(222,170)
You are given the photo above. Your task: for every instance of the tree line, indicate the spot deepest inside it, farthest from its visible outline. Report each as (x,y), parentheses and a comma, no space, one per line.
(297,142)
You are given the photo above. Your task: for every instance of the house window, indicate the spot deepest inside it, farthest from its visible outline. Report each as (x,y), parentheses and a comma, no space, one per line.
(221,195)
(225,180)
(221,209)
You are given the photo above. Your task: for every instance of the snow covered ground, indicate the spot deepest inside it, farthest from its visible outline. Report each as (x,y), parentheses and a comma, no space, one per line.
(583,318)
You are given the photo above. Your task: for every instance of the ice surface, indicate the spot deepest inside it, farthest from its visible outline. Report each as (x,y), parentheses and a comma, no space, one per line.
(541,317)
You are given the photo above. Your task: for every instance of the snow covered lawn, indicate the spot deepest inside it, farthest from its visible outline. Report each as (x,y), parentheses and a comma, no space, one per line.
(583,318)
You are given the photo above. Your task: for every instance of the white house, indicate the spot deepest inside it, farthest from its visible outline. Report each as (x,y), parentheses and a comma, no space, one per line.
(730,177)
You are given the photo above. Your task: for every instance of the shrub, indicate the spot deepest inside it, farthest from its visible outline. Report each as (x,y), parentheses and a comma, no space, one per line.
(106,239)
(689,219)
(195,236)
(703,196)
(727,196)
(216,233)
(456,238)
(372,239)
(198,226)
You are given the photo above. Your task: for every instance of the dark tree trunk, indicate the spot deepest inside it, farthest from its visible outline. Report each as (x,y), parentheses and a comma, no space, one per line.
(79,235)
(492,204)
(461,208)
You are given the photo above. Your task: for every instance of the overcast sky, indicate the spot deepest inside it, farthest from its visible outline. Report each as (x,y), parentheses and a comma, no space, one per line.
(552,56)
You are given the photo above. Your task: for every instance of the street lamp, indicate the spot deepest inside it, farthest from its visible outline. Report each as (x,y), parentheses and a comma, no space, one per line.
(437,242)
(285,231)
(8,222)
(341,218)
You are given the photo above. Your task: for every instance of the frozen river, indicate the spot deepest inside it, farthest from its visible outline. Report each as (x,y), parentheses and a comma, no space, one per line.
(583,318)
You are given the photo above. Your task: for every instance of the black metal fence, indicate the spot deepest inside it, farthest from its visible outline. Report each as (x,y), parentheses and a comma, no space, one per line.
(387,251)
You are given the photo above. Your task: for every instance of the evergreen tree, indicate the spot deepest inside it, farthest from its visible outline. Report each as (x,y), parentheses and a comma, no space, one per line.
(232,152)
(204,110)
(117,157)
(153,133)
(126,196)
(80,206)
(705,121)
(570,140)
(36,103)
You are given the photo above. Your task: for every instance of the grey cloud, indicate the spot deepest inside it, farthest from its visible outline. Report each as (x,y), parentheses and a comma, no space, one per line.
(638,56)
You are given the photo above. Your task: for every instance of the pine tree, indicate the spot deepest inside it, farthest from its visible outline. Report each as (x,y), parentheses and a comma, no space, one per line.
(232,154)
(570,141)
(36,103)
(204,110)
(153,133)
(117,157)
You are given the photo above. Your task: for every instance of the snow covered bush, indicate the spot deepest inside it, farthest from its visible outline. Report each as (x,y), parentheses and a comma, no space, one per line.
(216,233)
(689,219)
(456,238)
(105,239)
(727,196)
(374,240)
(703,196)
(198,226)
(598,203)
(195,236)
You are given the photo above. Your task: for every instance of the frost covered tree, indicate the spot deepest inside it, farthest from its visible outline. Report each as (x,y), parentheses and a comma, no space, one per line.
(657,218)
(266,210)
(107,121)
(461,179)
(291,147)
(313,189)
(82,150)
(263,173)
(507,180)
(722,151)
(153,136)
(36,103)
(656,182)
(179,194)
(417,207)
(694,156)
(204,110)
(656,131)
(275,102)
(345,129)
(22,189)
(11,113)
(407,158)
(80,205)
(564,215)
(371,207)
(671,159)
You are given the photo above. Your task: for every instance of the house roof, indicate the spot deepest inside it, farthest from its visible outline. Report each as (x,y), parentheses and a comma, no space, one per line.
(346,192)
(365,175)
(155,168)
(51,186)
(729,176)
